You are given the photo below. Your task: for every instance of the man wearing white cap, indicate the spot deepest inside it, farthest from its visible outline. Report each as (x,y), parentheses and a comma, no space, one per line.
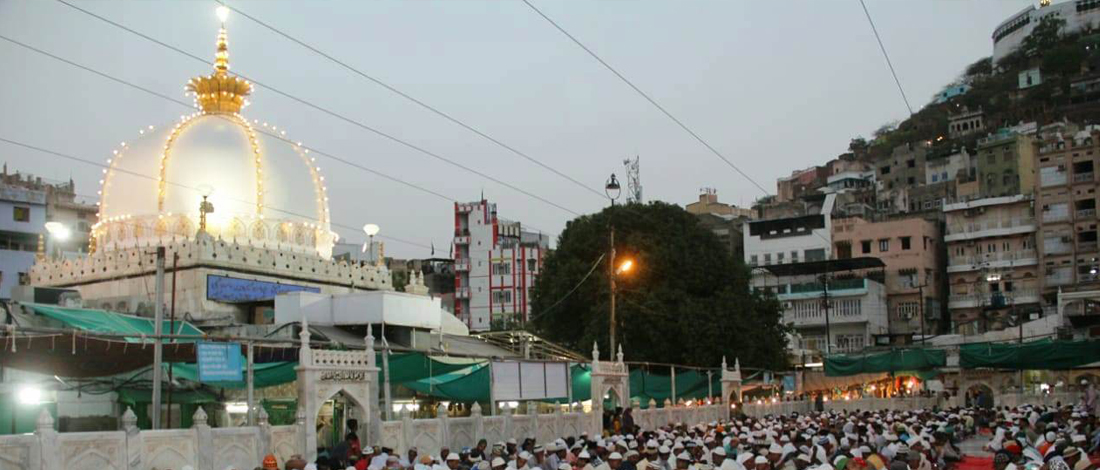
(498,464)
(453,461)
(521,461)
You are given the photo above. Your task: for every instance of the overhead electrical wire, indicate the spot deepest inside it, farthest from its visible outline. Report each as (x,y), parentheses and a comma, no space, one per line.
(644,95)
(329,112)
(260,130)
(889,63)
(410,98)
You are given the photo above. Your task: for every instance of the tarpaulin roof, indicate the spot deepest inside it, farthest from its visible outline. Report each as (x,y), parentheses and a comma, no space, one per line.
(892,361)
(1040,354)
(263,375)
(79,356)
(102,321)
(466,385)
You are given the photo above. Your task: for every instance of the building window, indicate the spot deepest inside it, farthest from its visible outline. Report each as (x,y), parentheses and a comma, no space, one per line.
(753,260)
(865,245)
(501,268)
(815,255)
(21,214)
(767,258)
(884,245)
(794,256)
(905,243)
(911,163)
(502,296)
(779,257)
(532,264)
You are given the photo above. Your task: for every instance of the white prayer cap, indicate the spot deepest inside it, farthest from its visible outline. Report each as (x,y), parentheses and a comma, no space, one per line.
(497,462)
(565,466)
(759,460)
(584,455)
(525,455)
(615,456)
(452,456)
(775,449)
(719,451)
(664,450)
(684,456)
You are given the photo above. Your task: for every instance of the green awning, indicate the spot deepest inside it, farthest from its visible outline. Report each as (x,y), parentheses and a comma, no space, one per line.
(263,375)
(1040,354)
(465,385)
(915,359)
(102,321)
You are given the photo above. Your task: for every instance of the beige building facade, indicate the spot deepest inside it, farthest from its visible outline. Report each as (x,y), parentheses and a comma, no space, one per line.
(993,267)
(910,249)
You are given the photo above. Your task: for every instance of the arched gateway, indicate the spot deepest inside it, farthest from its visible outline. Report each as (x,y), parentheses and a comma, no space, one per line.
(323,374)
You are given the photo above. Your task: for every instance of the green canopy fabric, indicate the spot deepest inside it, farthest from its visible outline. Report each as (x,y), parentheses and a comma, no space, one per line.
(690,384)
(465,385)
(1041,354)
(408,367)
(102,321)
(263,375)
(915,359)
(582,382)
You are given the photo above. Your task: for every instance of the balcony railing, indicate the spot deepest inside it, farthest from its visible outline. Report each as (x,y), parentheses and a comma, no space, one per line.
(1083,177)
(462,265)
(1055,216)
(1086,213)
(1052,179)
(995,299)
(1059,278)
(1086,247)
(1003,258)
(973,230)
(462,293)
(838,284)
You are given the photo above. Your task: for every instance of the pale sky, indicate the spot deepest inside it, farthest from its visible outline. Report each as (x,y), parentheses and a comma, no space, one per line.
(774,85)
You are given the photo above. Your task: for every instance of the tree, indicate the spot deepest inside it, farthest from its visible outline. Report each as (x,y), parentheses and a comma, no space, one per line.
(686,300)
(1045,35)
(982,66)
(400,280)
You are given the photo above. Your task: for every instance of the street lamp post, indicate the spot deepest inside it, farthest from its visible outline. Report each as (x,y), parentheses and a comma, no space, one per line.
(371,230)
(612,189)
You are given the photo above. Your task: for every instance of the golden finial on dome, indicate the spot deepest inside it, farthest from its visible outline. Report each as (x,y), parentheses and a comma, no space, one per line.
(219,92)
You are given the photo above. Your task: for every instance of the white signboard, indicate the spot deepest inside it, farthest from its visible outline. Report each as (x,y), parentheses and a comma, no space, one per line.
(520,380)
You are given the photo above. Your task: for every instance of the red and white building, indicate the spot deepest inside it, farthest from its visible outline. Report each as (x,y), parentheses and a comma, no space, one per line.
(496,262)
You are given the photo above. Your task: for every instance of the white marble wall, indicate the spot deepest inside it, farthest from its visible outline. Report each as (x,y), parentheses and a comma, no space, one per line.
(201,446)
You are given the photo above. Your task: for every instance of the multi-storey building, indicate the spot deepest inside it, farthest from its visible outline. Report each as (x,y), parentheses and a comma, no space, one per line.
(496,263)
(724,220)
(1065,200)
(1009,35)
(791,239)
(22,231)
(897,173)
(1005,164)
(838,303)
(27,203)
(965,122)
(911,252)
(800,182)
(993,268)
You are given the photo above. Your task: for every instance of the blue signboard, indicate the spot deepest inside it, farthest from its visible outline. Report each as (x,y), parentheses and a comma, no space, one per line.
(788,383)
(219,362)
(229,289)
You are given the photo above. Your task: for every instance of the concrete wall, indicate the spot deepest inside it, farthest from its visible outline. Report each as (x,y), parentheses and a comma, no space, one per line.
(12,263)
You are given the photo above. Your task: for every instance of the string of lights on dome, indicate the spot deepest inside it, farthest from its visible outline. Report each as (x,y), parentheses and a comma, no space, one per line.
(334,114)
(271,133)
(411,99)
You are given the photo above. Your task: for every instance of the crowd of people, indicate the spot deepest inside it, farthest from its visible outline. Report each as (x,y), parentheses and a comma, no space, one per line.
(1031,437)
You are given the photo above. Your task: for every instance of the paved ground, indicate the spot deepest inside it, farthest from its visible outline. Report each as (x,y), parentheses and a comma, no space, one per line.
(973,446)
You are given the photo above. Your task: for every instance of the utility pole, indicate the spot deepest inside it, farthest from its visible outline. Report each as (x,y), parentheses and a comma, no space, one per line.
(825,306)
(158,344)
(611,277)
(920,292)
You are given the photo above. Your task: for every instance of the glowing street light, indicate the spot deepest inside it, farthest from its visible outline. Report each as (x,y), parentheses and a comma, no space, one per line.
(371,230)
(625,266)
(222,12)
(58,231)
